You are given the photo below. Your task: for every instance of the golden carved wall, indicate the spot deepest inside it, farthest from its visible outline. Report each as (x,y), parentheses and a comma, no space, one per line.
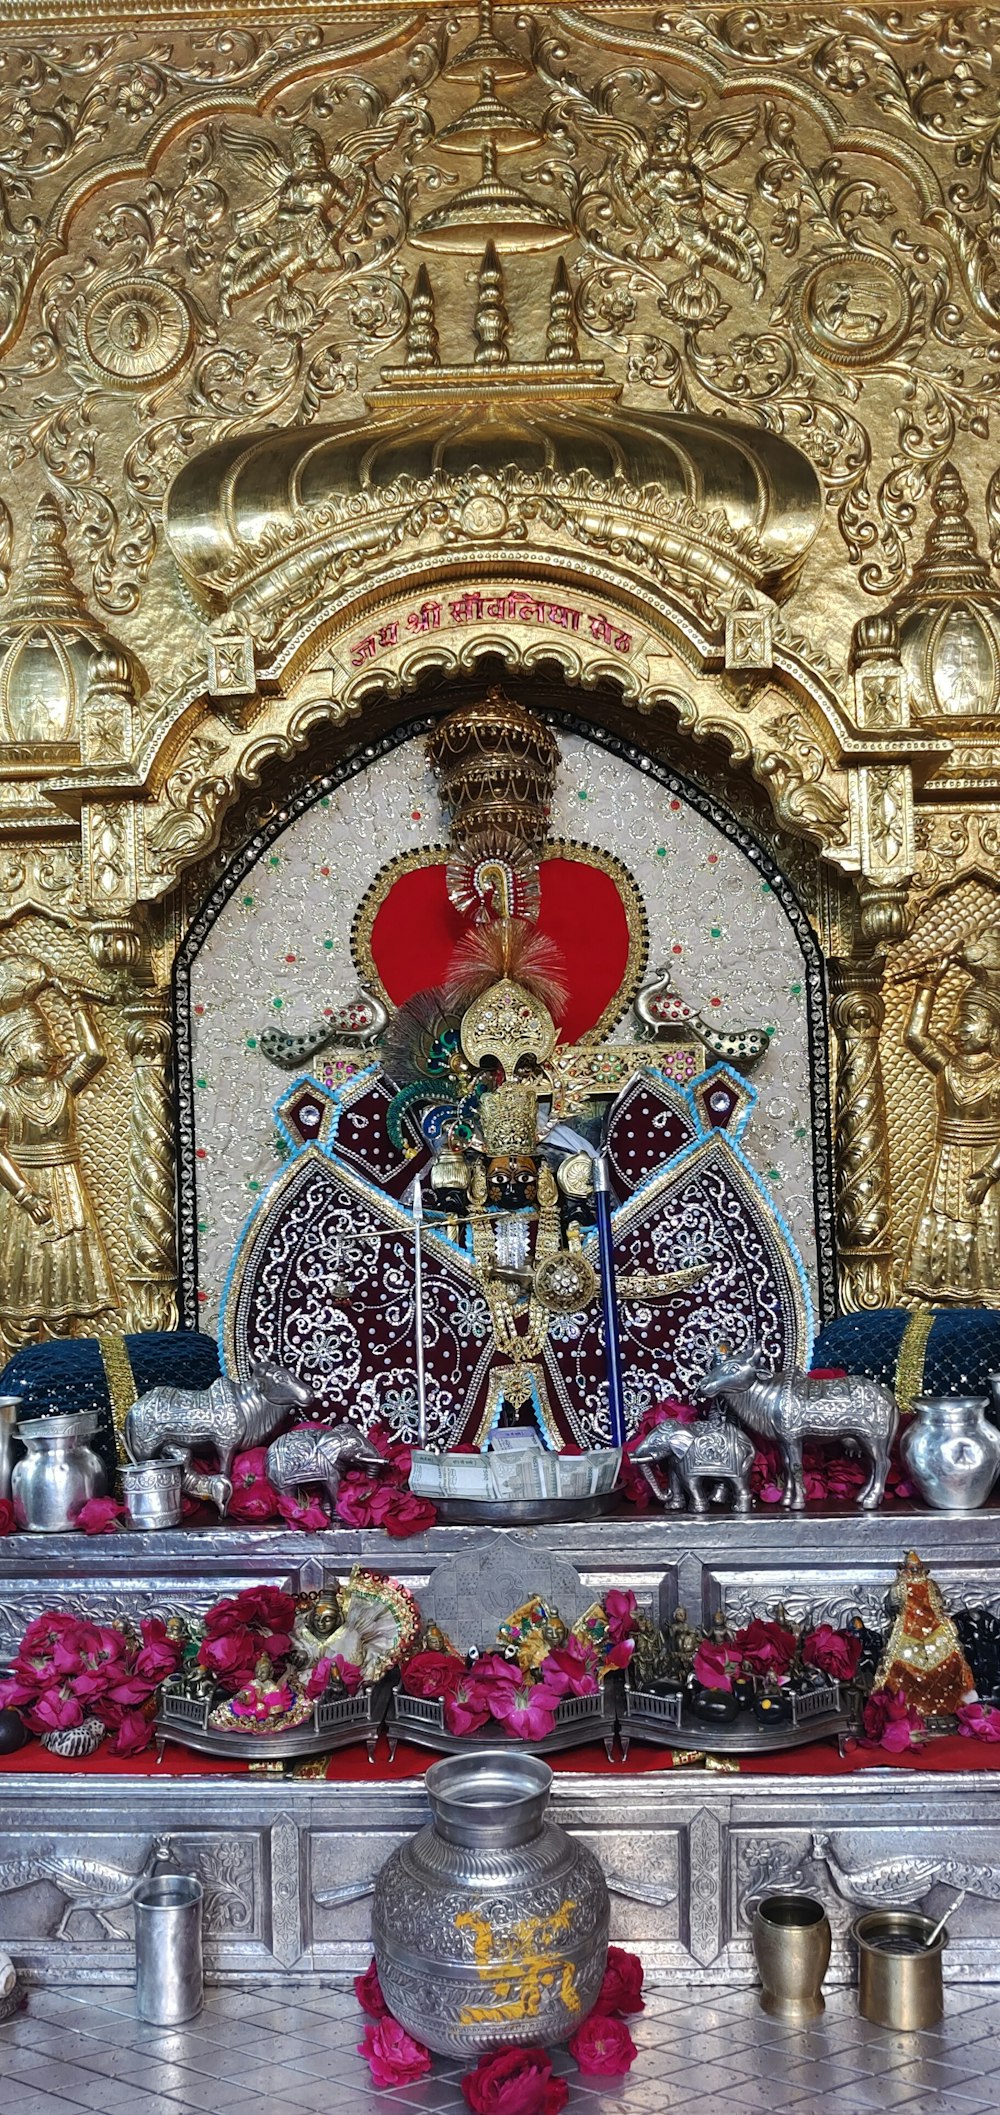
(662,346)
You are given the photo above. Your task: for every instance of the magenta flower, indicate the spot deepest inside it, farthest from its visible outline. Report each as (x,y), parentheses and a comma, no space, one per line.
(571,1670)
(133,1733)
(100,1516)
(529,1711)
(978,1721)
(716,1666)
(394,2058)
(889,1722)
(308,1514)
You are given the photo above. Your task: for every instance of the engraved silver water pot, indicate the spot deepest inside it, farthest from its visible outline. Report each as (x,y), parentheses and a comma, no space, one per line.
(951,1451)
(10,1410)
(57,1472)
(490,1926)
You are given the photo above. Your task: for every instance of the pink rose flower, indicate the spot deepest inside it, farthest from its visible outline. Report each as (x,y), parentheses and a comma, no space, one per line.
(354,1500)
(834,1652)
(134,1732)
(231,1659)
(621,1990)
(368,1991)
(394,2058)
(309,1514)
(401,1513)
(889,1722)
(7,1521)
(254,1496)
(529,1710)
(432,1674)
(159,1654)
(602,2046)
(53,1711)
(620,1611)
(978,1721)
(716,1666)
(766,1648)
(571,1669)
(100,1516)
(514,2082)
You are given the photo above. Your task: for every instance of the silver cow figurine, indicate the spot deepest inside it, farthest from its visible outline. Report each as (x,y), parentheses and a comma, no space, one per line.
(697,1458)
(229,1416)
(790,1408)
(319,1454)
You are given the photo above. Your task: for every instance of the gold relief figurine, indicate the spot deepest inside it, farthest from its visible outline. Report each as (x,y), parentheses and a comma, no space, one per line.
(54,1272)
(955,1249)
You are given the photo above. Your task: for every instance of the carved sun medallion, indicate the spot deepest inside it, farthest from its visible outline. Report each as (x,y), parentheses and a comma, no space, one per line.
(854,310)
(136,332)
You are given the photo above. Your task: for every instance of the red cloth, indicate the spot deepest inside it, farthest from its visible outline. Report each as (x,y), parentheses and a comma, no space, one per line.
(417,929)
(351,1765)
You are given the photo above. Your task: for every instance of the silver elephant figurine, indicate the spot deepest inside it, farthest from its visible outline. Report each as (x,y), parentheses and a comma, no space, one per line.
(789,1408)
(229,1416)
(319,1454)
(698,1459)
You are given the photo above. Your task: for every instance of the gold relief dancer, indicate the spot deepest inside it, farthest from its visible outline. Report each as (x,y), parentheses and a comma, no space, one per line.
(955,1250)
(54,1269)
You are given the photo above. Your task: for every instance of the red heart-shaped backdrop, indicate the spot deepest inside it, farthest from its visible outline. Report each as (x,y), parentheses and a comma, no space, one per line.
(416,930)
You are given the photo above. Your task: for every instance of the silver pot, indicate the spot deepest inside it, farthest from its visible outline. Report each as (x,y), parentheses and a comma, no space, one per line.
(57,1473)
(952,1451)
(11,1407)
(490,1926)
(152,1491)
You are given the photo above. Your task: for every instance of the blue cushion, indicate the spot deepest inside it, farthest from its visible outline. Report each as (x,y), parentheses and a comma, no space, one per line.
(962,1347)
(66,1374)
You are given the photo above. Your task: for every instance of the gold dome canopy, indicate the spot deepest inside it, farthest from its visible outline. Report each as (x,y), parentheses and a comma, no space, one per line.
(949,617)
(481,453)
(51,651)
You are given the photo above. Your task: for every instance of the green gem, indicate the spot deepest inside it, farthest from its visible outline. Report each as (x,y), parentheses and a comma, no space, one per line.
(765,888)
(251,1042)
(661,851)
(774,1174)
(248,903)
(201,1083)
(328,944)
(277,1004)
(716,932)
(796,990)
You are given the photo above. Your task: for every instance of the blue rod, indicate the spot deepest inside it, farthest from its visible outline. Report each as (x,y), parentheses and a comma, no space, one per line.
(609,1304)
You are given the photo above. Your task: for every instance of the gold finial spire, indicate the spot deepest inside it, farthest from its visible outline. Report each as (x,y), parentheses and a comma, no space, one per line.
(47,588)
(421,336)
(950,556)
(561,340)
(492,322)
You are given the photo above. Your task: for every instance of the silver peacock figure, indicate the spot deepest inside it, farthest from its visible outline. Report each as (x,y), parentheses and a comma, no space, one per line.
(898,1883)
(86,1883)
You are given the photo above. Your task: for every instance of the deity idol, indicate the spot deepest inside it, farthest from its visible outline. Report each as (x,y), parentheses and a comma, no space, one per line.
(501,962)
(955,1251)
(53,1262)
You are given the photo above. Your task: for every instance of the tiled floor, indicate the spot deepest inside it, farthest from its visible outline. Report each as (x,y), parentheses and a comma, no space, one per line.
(266,2053)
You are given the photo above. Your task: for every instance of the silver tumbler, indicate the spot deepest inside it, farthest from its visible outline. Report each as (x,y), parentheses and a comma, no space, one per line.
(169,1977)
(152,1491)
